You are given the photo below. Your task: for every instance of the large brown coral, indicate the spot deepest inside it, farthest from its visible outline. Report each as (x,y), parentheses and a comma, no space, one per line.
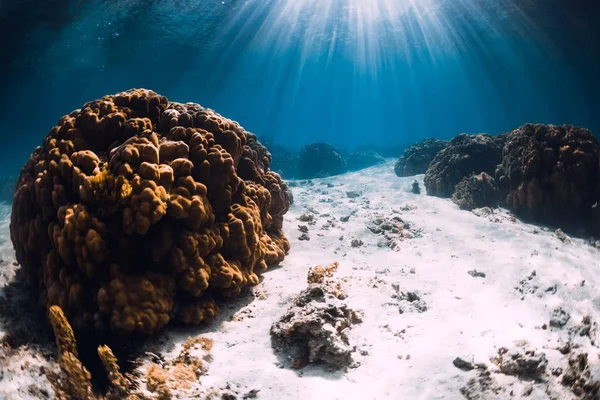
(552,175)
(136,210)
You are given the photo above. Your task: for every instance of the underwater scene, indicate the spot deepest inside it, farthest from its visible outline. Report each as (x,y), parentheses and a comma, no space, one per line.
(300,199)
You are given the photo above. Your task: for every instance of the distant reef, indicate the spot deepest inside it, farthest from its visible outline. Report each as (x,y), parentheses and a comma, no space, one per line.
(319,160)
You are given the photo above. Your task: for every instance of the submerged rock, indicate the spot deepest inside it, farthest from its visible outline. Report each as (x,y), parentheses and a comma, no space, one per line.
(465,155)
(476,191)
(416,189)
(529,363)
(417,157)
(316,328)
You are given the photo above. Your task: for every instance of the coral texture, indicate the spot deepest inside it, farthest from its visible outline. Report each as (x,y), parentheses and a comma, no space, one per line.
(320,160)
(475,191)
(552,175)
(416,159)
(136,210)
(464,155)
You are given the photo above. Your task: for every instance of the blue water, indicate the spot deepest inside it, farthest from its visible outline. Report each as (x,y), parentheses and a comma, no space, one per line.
(347,72)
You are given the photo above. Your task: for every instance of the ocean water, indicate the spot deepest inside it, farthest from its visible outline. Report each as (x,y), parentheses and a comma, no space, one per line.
(352,73)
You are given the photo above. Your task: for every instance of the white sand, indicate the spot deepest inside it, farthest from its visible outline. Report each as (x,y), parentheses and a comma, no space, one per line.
(407,355)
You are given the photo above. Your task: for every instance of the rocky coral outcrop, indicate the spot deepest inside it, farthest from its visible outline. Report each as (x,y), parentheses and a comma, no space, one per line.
(416,158)
(526,363)
(136,211)
(465,155)
(320,160)
(315,328)
(364,159)
(551,174)
(475,191)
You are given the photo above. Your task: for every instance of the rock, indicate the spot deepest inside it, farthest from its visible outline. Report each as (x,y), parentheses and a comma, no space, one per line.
(415,159)
(578,378)
(252,394)
(303,228)
(356,243)
(559,318)
(527,364)
(465,155)
(562,237)
(476,191)
(476,274)
(462,364)
(353,194)
(482,387)
(306,218)
(416,189)
(315,328)
(304,236)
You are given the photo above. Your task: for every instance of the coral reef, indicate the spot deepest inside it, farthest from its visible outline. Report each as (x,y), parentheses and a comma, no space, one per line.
(416,159)
(320,160)
(464,155)
(551,174)
(363,159)
(136,211)
(475,191)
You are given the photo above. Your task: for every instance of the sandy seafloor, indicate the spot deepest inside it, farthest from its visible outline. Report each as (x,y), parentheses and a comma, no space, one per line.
(399,355)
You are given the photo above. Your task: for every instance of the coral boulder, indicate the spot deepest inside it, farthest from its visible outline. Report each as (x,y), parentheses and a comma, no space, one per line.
(475,191)
(465,155)
(136,210)
(416,159)
(551,174)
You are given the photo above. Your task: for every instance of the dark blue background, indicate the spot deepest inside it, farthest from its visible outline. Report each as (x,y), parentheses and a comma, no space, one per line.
(298,74)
